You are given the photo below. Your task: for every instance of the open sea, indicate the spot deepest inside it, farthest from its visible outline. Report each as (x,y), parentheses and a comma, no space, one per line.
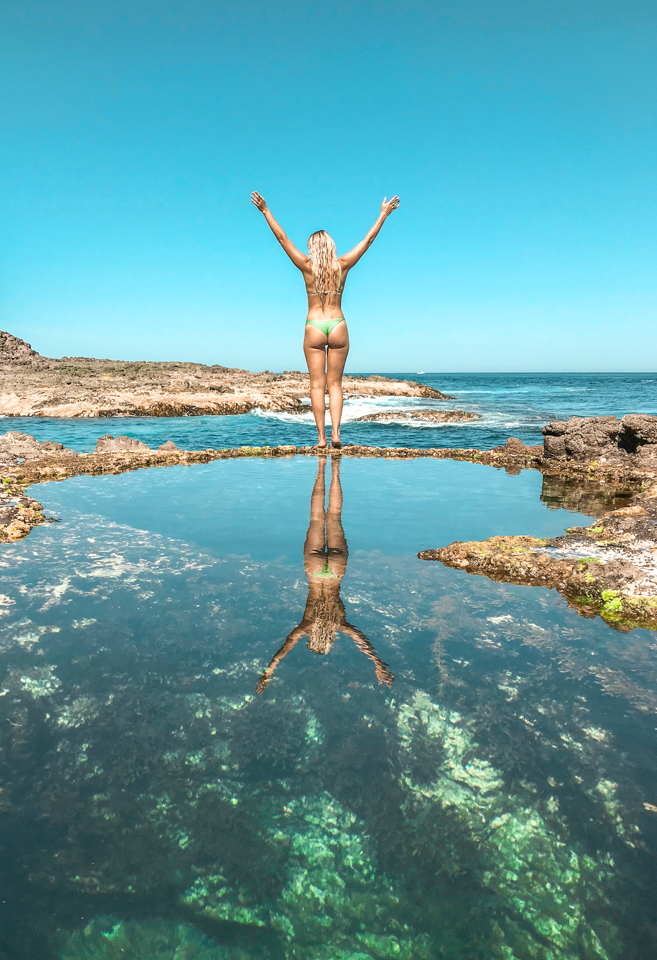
(241,720)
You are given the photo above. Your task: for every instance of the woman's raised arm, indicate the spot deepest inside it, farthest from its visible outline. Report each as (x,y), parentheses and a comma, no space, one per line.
(349,259)
(382,670)
(291,641)
(300,260)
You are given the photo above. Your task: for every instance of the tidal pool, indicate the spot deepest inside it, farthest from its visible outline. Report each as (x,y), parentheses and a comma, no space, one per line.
(240,719)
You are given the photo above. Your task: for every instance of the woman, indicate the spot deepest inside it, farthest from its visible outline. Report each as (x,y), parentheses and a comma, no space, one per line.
(325,557)
(326,341)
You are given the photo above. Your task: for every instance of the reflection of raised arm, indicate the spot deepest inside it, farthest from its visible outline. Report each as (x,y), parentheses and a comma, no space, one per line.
(291,641)
(299,259)
(383,674)
(348,260)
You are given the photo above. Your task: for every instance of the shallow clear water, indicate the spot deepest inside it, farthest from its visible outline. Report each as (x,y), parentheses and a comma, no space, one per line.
(468,771)
(508,405)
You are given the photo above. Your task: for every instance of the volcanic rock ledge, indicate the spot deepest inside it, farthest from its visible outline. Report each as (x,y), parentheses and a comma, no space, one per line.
(602,439)
(36,386)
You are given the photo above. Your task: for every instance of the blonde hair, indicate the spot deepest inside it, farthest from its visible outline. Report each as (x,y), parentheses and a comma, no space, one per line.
(321,249)
(327,616)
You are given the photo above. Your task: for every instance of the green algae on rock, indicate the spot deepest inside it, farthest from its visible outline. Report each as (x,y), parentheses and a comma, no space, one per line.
(607,569)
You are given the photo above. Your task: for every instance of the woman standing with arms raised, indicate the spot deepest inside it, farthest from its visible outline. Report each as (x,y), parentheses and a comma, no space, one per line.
(326,340)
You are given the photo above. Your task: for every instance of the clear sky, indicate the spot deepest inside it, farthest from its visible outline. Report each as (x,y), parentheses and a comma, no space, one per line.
(521,137)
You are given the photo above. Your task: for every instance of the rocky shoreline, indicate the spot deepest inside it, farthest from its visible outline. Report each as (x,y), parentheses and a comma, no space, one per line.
(36,386)
(607,569)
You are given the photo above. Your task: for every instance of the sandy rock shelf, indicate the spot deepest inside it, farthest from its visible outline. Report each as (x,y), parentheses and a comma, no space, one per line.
(36,386)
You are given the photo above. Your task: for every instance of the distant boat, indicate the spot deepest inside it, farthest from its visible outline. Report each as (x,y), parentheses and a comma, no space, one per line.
(419,373)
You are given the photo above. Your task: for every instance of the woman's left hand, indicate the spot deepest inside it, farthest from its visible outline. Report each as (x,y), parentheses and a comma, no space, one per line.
(389,205)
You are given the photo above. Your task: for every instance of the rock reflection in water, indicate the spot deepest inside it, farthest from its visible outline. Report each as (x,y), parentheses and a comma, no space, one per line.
(325,555)
(590,497)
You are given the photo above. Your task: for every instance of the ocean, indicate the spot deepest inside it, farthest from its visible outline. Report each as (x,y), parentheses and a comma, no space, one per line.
(507,404)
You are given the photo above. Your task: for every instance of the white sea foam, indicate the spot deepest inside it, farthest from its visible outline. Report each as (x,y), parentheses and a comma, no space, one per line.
(355,407)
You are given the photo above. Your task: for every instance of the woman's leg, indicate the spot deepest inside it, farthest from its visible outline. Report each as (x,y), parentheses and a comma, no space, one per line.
(335,538)
(314,347)
(338,348)
(315,538)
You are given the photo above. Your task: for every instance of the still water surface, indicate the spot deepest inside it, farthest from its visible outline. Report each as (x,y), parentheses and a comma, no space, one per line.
(240,719)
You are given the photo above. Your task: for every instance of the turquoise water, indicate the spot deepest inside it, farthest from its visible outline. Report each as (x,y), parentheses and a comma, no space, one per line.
(466,770)
(507,404)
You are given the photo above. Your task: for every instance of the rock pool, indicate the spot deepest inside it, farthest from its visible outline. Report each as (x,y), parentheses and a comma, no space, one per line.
(240,719)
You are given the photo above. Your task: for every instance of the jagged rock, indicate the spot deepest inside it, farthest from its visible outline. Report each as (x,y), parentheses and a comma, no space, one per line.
(51,446)
(110,444)
(169,445)
(601,438)
(16,444)
(14,350)
(516,448)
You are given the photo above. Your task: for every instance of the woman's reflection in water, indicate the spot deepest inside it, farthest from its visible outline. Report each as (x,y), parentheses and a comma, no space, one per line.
(325,559)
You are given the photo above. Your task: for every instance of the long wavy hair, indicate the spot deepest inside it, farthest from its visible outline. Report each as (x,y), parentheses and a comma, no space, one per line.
(321,250)
(327,616)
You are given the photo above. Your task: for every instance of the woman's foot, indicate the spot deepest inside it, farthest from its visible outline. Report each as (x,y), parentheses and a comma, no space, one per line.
(336,444)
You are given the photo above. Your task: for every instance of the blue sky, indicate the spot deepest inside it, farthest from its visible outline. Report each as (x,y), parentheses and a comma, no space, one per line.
(521,137)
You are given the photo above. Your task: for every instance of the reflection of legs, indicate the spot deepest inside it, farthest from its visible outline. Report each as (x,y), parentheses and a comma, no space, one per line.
(314,347)
(337,543)
(338,348)
(315,537)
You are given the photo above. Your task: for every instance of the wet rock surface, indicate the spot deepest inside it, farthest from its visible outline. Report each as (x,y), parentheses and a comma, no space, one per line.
(18,514)
(32,385)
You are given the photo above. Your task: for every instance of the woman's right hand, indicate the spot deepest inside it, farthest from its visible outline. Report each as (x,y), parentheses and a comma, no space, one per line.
(259,201)
(389,205)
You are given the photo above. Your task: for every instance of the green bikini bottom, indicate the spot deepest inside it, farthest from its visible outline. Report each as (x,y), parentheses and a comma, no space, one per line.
(326,573)
(325,325)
